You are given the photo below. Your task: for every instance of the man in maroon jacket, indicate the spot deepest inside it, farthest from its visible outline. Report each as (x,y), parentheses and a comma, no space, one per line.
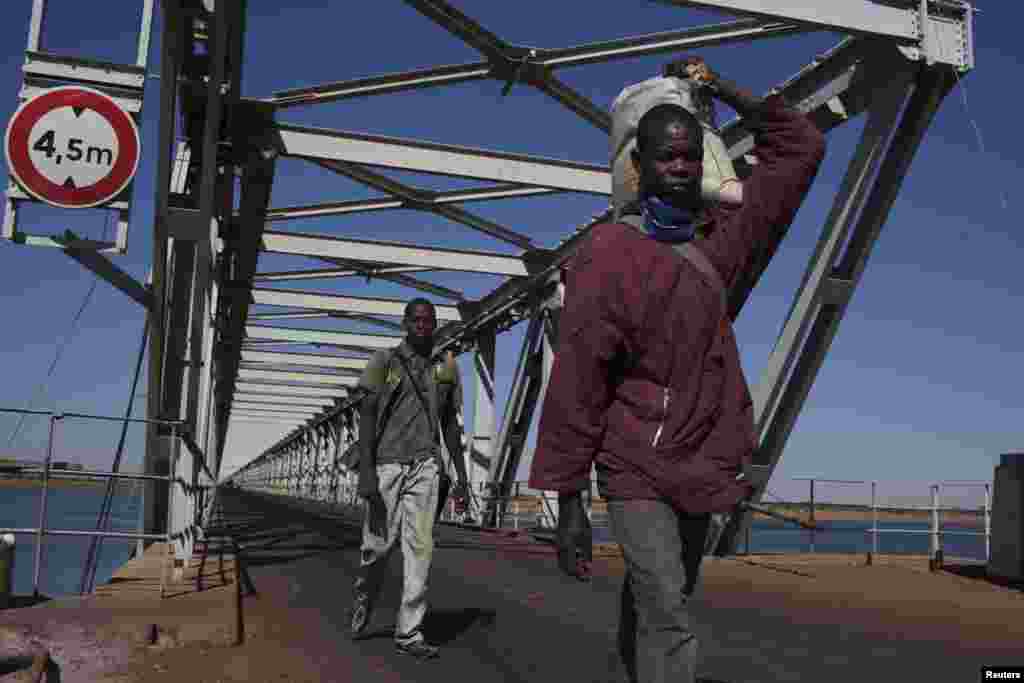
(647,383)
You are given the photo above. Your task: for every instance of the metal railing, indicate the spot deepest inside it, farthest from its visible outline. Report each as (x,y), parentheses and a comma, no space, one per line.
(871,509)
(518,507)
(527,509)
(177,530)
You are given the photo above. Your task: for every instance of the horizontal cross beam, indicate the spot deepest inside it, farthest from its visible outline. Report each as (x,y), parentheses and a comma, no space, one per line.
(271,390)
(441,159)
(434,199)
(273,419)
(343,304)
(317,246)
(869,17)
(743,30)
(244,408)
(420,200)
(314,359)
(379,85)
(262,401)
(323,337)
(327,273)
(248,374)
(590,53)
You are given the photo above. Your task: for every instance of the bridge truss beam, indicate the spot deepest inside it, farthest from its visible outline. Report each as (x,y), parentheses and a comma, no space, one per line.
(895,65)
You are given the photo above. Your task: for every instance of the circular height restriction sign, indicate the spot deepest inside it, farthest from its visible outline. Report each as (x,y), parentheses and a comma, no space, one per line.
(72,147)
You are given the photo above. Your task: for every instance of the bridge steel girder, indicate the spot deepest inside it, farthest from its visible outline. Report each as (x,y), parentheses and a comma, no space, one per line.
(240,255)
(353,340)
(838,86)
(425,199)
(256,396)
(832,277)
(321,378)
(328,273)
(284,390)
(413,255)
(355,305)
(482,440)
(415,198)
(912,24)
(525,393)
(306,462)
(246,402)
(154,501)
(321,144)
(315,359)
(656,43)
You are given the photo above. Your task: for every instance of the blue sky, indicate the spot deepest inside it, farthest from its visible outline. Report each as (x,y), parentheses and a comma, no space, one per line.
(922,381)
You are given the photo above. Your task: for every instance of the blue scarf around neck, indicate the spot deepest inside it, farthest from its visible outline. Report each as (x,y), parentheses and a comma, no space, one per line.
(667,223)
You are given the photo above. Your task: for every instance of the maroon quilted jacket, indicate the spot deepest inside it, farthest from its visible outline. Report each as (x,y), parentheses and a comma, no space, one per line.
(647,380)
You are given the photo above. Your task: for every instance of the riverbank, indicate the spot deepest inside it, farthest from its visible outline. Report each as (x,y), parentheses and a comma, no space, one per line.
(955,518)
(823,513)
(58,482)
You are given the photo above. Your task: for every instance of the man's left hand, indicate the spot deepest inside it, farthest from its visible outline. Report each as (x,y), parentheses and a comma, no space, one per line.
(691,67)
(575,537)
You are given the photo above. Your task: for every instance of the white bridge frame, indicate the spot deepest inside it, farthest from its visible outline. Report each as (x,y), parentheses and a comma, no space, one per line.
(209,360)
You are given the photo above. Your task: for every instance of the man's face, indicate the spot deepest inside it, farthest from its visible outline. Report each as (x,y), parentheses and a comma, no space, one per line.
(671,166)
(420,325)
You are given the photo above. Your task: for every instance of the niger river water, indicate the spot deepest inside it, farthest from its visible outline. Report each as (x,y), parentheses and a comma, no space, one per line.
(78,507)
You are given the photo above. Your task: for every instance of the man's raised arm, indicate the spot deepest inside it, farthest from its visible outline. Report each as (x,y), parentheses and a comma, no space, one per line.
(789,148)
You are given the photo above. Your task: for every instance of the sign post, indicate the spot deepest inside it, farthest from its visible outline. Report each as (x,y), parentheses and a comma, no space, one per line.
(72,147)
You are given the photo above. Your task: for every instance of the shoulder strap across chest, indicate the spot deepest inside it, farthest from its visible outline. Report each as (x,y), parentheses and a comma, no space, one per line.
(693,255)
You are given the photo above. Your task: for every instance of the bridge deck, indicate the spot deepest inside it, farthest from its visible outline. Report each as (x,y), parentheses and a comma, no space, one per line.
(501,612)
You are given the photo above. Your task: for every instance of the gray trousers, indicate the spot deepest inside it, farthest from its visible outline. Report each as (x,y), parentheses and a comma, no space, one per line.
(410,496)
(662,550)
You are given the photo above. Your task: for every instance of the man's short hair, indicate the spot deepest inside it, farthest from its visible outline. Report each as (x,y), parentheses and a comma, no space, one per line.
(418,301)
(653,123)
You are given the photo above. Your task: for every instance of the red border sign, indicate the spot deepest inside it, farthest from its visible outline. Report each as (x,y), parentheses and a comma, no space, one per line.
(35,183)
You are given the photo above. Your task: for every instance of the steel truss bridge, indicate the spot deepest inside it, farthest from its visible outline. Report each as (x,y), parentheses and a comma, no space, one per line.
(220,364)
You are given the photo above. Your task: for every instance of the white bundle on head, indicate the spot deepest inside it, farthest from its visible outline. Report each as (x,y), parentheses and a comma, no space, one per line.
(720,182)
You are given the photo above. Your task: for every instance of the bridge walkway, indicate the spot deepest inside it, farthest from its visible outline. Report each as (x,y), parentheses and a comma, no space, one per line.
(502,612)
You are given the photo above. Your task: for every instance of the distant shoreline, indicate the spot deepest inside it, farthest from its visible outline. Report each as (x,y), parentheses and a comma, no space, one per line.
(526,505)
(946,517)
(823,513)
(57,482)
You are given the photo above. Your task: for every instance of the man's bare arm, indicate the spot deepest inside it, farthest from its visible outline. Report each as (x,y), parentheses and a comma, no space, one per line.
(453,440)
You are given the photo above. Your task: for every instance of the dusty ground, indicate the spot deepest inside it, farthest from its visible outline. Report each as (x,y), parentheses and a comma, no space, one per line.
(498,598)
(100,637)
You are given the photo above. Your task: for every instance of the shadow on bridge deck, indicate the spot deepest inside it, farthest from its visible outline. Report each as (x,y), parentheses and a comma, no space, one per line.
(502,612)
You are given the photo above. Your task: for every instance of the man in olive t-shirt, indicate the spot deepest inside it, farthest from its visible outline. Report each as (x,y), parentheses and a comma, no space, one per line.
(400,466)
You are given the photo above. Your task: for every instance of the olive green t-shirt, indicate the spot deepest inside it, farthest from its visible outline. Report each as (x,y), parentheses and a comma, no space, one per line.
(409,433)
